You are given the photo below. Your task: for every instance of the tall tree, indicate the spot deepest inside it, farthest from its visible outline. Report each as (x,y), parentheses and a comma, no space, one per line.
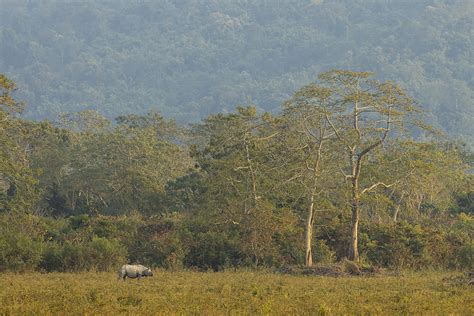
(306,134)
(364,114)
(235,163)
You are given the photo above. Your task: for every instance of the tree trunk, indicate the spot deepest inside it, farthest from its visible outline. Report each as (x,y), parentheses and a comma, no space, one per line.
(397,208)
(309,233)
(395,213)
(354,249)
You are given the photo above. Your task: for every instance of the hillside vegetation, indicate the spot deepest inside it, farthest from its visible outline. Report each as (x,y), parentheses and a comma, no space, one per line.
(191,58)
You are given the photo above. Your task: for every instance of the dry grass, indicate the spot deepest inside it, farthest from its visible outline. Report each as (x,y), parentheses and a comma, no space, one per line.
(234,293)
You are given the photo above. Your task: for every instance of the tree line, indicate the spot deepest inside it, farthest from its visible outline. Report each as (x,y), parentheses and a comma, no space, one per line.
(191,58)
(348,169)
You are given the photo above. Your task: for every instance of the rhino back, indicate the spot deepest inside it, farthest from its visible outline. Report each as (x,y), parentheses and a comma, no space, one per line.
(134,270)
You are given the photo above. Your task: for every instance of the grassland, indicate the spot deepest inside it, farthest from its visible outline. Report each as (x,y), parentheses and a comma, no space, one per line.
(251,293)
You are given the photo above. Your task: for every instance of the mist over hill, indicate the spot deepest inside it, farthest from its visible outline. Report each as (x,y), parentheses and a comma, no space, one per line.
(190,58)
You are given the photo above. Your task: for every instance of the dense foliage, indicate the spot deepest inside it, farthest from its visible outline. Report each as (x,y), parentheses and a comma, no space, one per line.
(191,58)
(238,189)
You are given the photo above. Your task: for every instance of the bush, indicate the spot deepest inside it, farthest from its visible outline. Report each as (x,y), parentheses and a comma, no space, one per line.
(322,253)
(213,250)
(465,256)
(104,254)
(18,251)
(336,235)
(20,243)
(158,243)
(73,258)
(52,258)
(99,254)
(290,248)
(396,246)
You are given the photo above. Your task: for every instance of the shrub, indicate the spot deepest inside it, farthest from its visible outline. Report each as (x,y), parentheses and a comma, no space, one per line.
(20,242)
(396,246)
(18,251)
(465,256)
(213,250)
(322,253)
(290,248)
(99,254)
(158,243)
(52,258)
(104,254)
(73,257)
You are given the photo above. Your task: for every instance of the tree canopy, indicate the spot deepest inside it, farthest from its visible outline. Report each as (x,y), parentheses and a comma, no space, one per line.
(189,59)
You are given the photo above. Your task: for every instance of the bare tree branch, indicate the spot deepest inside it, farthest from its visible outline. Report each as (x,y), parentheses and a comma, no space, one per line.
(377,185)
(337,133)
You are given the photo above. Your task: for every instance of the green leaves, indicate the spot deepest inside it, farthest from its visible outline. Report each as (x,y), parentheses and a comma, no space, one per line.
(124,168)
(240,188)
(8,105)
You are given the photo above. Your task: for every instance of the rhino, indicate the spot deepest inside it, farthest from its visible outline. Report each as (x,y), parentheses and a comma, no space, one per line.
(134,271)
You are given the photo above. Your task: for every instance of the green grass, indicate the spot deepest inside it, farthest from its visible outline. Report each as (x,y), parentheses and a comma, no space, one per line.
(234,293)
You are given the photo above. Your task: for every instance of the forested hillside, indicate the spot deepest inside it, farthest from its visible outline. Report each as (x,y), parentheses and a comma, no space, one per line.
(191,58)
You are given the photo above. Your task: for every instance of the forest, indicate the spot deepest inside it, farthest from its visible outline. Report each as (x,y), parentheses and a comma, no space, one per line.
(250,157)
(347,170)
(189,59)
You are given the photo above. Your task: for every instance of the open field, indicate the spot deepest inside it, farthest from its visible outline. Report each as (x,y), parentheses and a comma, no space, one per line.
(234,293)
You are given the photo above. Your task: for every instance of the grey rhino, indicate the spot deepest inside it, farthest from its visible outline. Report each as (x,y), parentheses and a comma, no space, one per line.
(134,271)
